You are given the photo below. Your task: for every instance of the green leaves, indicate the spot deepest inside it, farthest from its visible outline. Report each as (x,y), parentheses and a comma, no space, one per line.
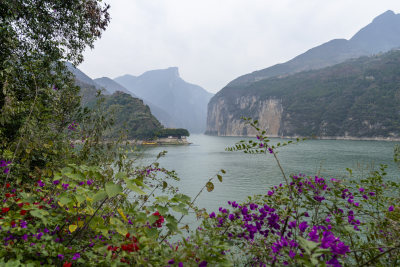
(209,186)
(181,208)
(113,189)
(132,186)
(64,199)
(100,195)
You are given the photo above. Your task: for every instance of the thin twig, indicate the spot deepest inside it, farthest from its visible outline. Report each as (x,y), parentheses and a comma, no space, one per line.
(378,256)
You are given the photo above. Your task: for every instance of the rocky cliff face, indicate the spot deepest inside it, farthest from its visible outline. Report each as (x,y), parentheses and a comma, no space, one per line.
(359,98)
(222,122)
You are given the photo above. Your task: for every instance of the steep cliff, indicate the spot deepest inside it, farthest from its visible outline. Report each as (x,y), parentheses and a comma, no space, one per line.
(357,98)
(225,118)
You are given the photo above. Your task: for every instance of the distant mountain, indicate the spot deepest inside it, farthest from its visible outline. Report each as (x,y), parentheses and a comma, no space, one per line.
(381,35)
(82,78)
(185,103)
(111,86)
(358,98)
(130,115)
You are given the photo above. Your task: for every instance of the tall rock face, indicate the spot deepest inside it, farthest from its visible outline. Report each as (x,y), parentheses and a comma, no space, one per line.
(275,83)
(226,118)
(357,98)
(185,103)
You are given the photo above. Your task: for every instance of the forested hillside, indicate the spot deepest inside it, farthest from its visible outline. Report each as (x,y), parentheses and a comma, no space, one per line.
(358,98)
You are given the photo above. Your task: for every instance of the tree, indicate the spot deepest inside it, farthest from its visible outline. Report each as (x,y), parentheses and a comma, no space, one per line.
(38,98)
(173,132)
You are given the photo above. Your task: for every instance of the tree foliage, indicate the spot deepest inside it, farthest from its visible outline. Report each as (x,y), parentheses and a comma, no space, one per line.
(38,99)
(173,132)
(88,203)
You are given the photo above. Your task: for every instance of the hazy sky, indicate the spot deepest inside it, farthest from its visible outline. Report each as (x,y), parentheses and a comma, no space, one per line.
(214,41)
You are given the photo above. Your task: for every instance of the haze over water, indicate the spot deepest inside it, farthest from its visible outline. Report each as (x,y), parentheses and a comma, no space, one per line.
(253,174)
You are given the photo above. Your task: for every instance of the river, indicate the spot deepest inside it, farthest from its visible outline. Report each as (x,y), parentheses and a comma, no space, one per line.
(253,174)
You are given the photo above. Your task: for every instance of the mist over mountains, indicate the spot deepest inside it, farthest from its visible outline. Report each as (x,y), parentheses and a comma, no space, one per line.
(185,103)
(174,102)
(111,86)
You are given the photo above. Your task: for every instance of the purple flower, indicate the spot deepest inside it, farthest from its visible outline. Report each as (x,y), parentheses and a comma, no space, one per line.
(24,237)
(60,256)
(391,208)
(56,182)
(65,186)
(3,163)
(23,224)
(231,217)
(180,264)
(212,215)
(261,145)
(6,170)
(40,183)
(292,254)
(89,182)
(76,256)
(253,206)
(319,198)
(270,193)
(303,226)
(371,194)
(171,261)
(361,189)
(39,236)
(203,264)
(314,234)
(270,150)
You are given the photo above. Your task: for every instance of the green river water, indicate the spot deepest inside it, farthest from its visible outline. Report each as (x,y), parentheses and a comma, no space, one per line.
(254,174)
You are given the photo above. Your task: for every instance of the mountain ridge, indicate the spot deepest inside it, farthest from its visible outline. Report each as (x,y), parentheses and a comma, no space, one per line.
(186,103)
(367,41)
(328,71)
(359,98)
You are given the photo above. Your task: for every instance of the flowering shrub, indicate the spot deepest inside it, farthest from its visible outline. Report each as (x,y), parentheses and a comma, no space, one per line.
(80,215)
(311,220)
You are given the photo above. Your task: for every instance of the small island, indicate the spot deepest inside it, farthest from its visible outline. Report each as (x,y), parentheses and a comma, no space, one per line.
(169,136)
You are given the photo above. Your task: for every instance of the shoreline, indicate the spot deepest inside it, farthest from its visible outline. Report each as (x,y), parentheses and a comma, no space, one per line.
(349,138)
(158,142)
(161,142)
